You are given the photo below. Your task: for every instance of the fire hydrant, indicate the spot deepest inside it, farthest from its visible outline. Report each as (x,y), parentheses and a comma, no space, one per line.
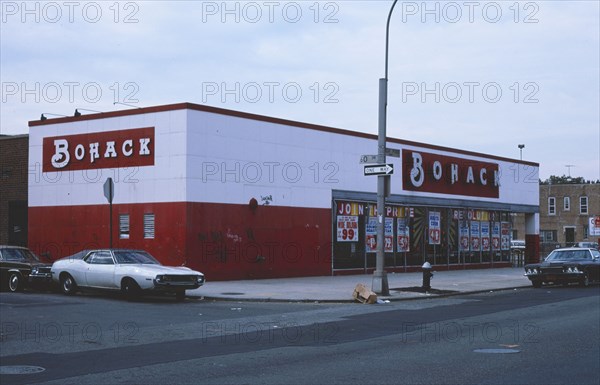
(427,275)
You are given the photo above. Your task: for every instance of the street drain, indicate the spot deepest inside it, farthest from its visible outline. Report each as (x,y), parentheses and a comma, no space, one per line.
(497,351)
(21,369)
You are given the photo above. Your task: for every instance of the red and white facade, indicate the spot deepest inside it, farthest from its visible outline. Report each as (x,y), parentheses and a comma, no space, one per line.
(240,196)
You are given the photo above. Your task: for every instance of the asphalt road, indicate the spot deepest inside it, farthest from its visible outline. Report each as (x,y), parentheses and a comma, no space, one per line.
(525,336)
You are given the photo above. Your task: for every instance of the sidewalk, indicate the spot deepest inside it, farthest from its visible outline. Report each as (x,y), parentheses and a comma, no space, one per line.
(340,288)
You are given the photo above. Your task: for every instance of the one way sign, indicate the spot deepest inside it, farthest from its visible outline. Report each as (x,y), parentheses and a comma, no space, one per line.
(379,169)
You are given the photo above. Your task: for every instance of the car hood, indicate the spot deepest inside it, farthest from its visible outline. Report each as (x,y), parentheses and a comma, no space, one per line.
(159,269)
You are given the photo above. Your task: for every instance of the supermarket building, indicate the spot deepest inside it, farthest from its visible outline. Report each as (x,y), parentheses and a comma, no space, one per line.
(243,196)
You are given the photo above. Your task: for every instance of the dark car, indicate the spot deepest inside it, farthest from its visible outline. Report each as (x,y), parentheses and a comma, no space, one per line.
(20,268)
(563,266)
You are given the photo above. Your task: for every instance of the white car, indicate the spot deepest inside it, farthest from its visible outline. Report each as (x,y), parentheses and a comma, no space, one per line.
(133,272)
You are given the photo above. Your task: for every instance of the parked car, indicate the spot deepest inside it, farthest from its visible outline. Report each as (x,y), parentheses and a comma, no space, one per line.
(563,266)
(133,272)
(21,268)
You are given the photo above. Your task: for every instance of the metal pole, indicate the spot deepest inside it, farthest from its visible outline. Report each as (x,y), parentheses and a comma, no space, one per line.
(110,227)
(380,282)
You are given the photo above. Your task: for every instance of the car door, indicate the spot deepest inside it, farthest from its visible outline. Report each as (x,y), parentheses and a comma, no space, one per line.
(595,268)
(100,270)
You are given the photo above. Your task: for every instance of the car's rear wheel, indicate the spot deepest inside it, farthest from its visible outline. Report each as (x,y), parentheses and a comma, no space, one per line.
(585,281)
(180,295)
(15,282)
(67,284)
(536,283)
(131,290)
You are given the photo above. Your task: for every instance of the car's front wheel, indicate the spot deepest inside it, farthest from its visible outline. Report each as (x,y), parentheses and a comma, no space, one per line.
(15,282)
(67,284)
(130,289)
(585,280)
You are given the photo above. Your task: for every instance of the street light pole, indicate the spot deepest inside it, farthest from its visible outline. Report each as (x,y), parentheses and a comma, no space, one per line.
(521,146)
(380,282)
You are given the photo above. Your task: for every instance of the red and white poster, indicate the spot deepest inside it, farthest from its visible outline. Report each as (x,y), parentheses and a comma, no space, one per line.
(475,236)
(389,235)
(403,235)
(594,226)
(347,228)
(485,236)
(435,228)
(463,235)
(496,236)
(371,235)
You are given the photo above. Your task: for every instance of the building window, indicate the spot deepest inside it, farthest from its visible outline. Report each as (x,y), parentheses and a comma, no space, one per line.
(124,226)
(551,206)
(567,204)
(148,226)
(548,235)
(583,205)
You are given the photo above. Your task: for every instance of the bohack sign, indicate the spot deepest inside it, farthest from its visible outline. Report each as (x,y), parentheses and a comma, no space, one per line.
(111,149)
(435,173)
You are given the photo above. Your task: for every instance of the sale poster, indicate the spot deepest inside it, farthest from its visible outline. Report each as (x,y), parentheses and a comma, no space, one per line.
(403,235)
(389,235)
(371,235)
(435,228)
(347,228)
(463,235)
(475,236)
(496,236)
(485,236)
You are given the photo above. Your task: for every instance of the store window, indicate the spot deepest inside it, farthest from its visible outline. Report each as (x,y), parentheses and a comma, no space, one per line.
(148,226)
(583,205)
(551,206)
(567,204)
(124,226)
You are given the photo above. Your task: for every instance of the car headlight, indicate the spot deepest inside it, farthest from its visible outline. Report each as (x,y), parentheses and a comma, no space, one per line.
(159,278)
(535,271)
(200,279)
(34,270)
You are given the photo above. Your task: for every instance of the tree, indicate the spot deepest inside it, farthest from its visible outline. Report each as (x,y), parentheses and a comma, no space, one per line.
(565,180)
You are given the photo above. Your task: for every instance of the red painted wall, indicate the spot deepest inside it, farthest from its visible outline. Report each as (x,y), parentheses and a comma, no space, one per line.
(224,241)
(238,242)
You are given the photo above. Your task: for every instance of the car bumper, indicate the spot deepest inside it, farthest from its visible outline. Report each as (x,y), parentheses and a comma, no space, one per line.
(175,285)
(555,277)
(39,279)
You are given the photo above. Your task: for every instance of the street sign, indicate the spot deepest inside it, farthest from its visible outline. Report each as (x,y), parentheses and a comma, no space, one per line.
(394,152)
(368,159)
(379,169)
(109,189)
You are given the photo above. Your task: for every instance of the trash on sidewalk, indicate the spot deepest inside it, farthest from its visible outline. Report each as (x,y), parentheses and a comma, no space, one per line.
(364,295)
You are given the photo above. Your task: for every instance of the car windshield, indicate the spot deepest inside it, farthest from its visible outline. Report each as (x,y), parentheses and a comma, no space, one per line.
(134,257)
(566,255)
(19,255)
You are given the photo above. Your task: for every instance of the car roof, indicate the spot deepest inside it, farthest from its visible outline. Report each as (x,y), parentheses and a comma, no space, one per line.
(574,248)
(13,247)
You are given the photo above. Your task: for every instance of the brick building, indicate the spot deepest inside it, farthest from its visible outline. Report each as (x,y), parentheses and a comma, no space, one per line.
(14,152)
(565,212)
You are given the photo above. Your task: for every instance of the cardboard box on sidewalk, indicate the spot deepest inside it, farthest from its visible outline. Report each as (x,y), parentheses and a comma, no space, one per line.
(364,295)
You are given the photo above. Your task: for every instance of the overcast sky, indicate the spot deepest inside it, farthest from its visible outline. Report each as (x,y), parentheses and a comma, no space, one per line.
(480,76)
